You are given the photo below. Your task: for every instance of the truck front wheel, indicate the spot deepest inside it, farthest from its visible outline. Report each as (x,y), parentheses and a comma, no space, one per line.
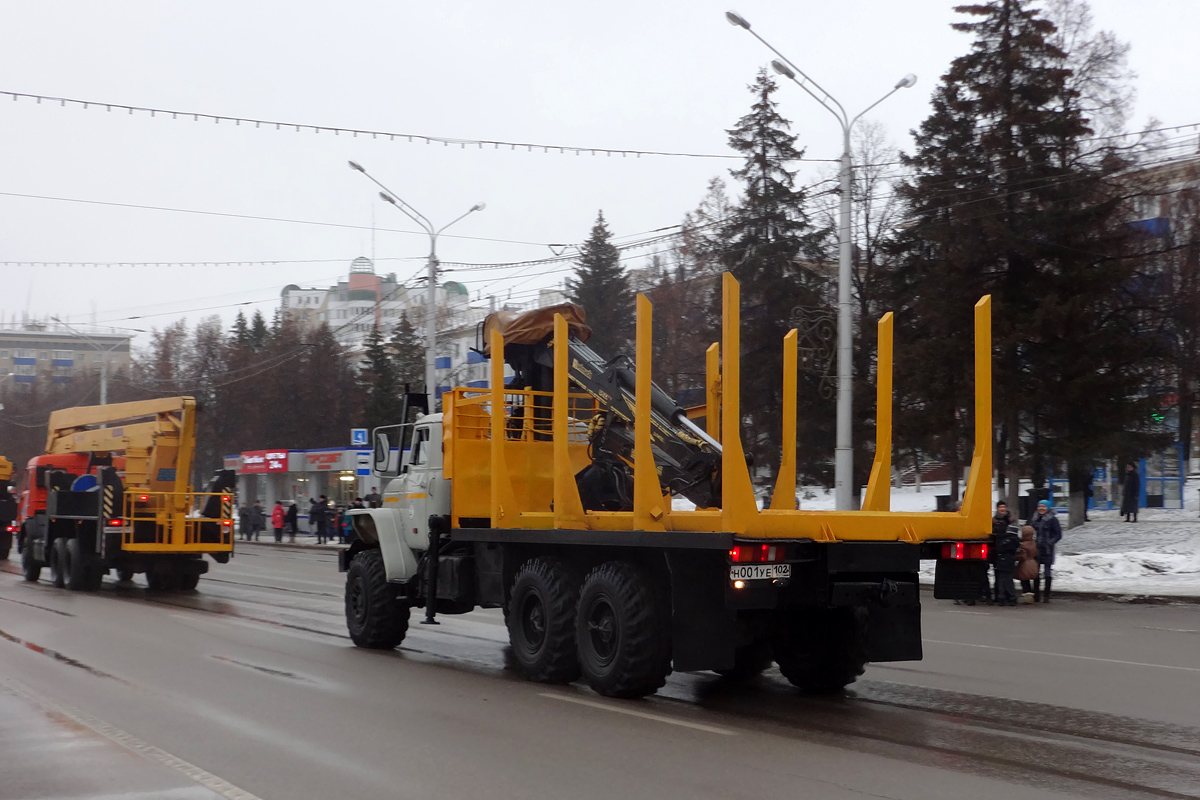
(375,615)
(541,621)
(31,568)
(623,630)
(821,650)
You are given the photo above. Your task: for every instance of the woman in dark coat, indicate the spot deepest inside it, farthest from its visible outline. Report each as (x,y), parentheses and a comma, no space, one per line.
(1047,533)
(292,520)
(1131,490)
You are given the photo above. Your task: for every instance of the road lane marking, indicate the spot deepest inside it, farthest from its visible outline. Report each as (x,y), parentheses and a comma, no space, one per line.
(1066,655)
(130,742)
(642,714)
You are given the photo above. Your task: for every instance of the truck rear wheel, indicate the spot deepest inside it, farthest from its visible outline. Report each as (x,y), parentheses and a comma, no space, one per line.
(822,650)
(81,571)
(58,560)
(375,615)
(189,582)
(161,581)
(541,621)
(5,542)
(623,631)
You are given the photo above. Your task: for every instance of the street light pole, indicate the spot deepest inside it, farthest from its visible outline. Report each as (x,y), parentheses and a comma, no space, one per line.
(844,451)
(431,296)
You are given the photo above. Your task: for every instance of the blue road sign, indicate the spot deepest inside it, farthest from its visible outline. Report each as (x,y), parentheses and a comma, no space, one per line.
(358,437)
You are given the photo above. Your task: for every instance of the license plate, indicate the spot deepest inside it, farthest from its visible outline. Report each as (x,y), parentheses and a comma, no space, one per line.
(759,572)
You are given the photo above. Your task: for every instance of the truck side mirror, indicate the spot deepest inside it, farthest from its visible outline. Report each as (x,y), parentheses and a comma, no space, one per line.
(383,453)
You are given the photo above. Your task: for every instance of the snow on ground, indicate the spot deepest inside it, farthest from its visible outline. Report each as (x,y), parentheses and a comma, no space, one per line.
(1157,555)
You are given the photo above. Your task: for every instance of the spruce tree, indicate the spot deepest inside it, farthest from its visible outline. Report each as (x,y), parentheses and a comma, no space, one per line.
(383,392)
(258,332)
(601,287)
(408,355)
(771,247)
(1006,200)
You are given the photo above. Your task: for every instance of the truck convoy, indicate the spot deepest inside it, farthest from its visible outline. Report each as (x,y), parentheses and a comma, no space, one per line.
(551,497)
(112,492)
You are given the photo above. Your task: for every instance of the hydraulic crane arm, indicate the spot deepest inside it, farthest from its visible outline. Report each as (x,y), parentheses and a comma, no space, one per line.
(157,438)
(687,459)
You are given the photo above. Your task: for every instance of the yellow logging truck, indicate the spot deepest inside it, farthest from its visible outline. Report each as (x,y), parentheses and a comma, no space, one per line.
(551,498)
(113,492)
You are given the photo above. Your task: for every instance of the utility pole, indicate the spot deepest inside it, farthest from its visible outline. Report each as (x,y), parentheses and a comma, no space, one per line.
(843,474)
(388,196)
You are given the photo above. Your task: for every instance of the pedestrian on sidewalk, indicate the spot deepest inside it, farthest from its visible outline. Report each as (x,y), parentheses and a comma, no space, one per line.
(1007,544)
(1027,565)
(277,520)
(1131,493)
(1047,534)
(1001,521)
(312,515)
(320,514)
(373,498)
(292,521)
(244,522)
(258,520)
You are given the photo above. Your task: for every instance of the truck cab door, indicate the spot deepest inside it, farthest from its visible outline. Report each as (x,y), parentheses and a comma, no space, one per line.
(420,471)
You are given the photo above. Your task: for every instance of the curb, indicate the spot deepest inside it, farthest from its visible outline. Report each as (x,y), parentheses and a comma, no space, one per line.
(1131,598)
(289,546)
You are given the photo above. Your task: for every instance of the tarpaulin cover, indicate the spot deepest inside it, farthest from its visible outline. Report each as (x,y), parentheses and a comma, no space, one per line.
(532,327)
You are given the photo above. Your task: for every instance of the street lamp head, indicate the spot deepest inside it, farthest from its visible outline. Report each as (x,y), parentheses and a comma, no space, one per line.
(356,166)
(737,19)
(783,69)
(907,82)
(479,207)
(387,198)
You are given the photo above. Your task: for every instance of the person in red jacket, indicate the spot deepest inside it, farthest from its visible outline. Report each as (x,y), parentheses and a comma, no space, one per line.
(277,520)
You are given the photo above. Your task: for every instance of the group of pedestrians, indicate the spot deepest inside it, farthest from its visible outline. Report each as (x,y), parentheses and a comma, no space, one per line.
(1024,553)
(328,522)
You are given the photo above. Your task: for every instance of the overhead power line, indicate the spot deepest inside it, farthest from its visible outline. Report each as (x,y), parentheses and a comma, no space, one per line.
(445,141)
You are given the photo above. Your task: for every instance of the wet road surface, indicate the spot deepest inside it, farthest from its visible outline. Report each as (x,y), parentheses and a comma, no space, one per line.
(250,688)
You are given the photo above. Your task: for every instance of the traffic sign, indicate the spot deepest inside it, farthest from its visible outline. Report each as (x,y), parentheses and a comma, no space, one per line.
(358,437)
(362,465)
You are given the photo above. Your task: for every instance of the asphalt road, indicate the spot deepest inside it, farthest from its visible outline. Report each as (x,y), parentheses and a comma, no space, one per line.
(250,688)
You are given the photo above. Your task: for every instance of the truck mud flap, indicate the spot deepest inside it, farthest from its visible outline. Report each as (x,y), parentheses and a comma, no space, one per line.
(703,628)
(894,633)
(959,580)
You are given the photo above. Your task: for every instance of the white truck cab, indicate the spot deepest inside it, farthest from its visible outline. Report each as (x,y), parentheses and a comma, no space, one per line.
(409,460)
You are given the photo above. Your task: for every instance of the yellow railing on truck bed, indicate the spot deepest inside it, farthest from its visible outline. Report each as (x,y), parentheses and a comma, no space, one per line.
(171,522)
(512,455)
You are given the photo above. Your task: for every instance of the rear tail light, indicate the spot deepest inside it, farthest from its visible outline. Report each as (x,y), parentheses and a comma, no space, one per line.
(958,551)
(752,553)
(143,497)
(11,528)
(227,522)
(114,523)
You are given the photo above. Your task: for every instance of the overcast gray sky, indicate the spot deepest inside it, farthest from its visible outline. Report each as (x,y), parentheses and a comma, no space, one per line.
(619,74)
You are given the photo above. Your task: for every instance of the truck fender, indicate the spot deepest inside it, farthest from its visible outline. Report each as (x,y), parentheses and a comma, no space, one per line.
(377,527)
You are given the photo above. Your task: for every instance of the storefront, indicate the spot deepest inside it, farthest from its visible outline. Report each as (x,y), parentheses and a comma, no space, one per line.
(297,476)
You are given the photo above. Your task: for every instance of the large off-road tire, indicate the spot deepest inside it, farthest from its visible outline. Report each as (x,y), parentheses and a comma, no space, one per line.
(58,561)
(375,615)
(821,650)
(31,568)
(5,543)
(189,582)
(541,621)
(749,661)
(623,631)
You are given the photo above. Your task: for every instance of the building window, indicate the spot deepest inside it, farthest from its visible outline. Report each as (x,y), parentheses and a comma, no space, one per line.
(43,355)
(97,357)
(26,354)
(64,354)
(25,369)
